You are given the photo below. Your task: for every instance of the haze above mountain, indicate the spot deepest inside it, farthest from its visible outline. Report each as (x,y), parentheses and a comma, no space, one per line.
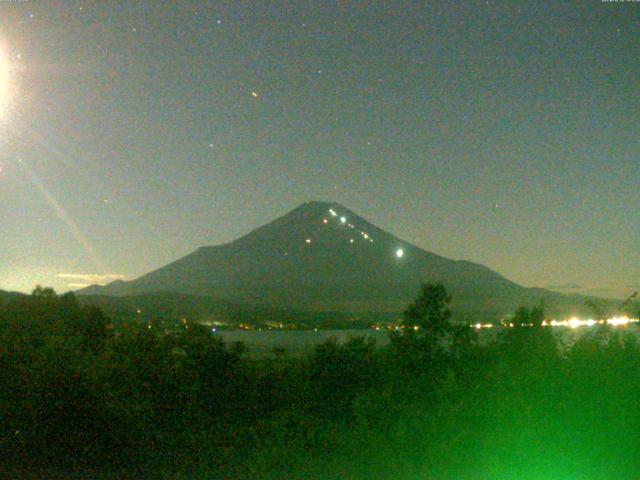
(324,257)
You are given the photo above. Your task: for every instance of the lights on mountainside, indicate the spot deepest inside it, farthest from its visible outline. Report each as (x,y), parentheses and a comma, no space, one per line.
(308,240)
(400,253)
(343,221)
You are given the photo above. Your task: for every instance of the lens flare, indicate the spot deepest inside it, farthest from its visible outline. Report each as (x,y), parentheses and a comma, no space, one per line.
(5,82)
(8,69)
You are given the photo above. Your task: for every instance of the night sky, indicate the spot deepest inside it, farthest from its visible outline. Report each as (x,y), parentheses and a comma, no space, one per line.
(506,133)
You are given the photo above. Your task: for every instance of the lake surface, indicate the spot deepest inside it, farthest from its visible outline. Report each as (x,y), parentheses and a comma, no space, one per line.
(261,343)
(297,342)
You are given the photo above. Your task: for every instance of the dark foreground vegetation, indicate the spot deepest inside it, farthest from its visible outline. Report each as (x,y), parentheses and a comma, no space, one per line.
(79,402)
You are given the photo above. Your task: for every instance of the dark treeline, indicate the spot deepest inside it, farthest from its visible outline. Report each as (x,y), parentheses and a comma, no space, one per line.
(79,402)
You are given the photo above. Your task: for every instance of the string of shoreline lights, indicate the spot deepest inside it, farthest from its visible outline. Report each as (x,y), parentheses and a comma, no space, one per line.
(573,323)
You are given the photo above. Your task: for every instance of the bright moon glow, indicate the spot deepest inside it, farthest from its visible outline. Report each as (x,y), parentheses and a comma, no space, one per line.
(4,82)
(6,88)
(399,253)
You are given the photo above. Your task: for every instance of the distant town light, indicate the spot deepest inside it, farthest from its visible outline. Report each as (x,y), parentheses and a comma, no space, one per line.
(399,253)
(574,322)
(308,240)
(343,219)
(615,321)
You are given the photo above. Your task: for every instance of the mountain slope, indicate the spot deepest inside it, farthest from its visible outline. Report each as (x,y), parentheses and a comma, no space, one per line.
(324,257)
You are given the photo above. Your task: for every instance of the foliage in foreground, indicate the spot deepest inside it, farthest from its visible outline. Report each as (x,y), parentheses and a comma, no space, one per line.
(435,404)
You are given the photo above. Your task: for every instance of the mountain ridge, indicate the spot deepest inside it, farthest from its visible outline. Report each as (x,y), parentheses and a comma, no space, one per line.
(322,256)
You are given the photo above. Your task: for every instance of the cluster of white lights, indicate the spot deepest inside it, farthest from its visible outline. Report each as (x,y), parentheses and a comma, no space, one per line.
(478,326)
(573,323)
(343,221)
(399,253)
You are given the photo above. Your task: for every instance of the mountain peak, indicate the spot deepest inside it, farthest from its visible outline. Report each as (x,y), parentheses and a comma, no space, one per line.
(317,206)
(321,256)
(320,222)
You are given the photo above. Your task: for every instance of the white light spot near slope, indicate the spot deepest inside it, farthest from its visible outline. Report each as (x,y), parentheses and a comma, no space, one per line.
(399,253)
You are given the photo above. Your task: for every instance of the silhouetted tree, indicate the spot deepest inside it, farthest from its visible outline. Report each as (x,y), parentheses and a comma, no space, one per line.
(339,373)
(529,317)
(528,342)
(45,293)
(93,329)
(520,317)
(536,315)
(430,311)
(426,330)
